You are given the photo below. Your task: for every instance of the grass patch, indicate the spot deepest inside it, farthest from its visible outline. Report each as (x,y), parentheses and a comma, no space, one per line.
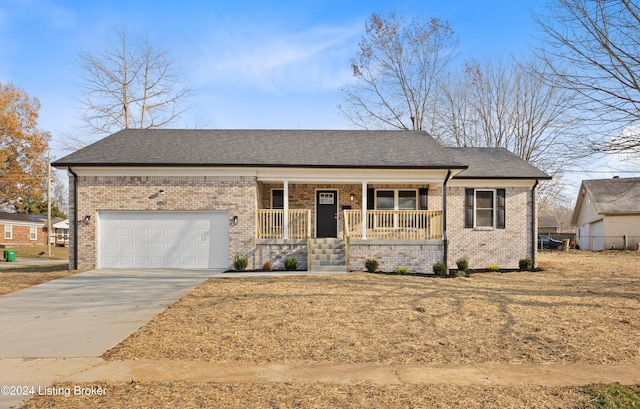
(58,253)
(613,396)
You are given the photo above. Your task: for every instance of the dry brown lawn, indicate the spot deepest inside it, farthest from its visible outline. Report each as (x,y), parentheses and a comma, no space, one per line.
(134,395)
(40,251)
(583,308)
(18,278)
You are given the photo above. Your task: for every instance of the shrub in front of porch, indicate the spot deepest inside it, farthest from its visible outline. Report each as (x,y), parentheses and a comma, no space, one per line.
(290,263)
(371,265)
(440,268)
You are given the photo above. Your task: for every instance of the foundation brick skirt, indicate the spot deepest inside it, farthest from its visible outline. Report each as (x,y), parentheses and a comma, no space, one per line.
(418,256)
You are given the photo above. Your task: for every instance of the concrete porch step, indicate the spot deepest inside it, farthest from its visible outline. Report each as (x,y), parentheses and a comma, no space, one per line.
(327,253)
(340,268)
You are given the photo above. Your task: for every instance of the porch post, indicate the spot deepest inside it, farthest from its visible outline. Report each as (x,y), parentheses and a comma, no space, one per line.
(285,211)
(364,209)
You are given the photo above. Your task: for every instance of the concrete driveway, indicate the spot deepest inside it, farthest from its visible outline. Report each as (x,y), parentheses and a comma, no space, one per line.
(85,314)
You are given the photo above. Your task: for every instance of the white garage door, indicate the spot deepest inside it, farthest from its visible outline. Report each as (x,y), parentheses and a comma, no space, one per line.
(155,239)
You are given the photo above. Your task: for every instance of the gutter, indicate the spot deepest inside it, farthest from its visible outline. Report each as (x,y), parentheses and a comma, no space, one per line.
(75,219)
(534,233)
(444,219)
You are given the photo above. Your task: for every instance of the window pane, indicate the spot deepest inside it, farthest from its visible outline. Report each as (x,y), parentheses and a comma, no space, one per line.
(407,200)
(277,199)
(484,217)
(484,200)
(384,199)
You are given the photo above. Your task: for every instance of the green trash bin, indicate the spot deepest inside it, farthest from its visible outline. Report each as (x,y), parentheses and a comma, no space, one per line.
(11,255)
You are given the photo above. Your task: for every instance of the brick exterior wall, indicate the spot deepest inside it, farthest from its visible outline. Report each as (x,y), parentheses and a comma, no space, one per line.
(483,247)
(237,195)
(21,235)
(275,251)
(240,196)
(418,258)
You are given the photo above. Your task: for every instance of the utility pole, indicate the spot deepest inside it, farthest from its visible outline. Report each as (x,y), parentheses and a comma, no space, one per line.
(49,204)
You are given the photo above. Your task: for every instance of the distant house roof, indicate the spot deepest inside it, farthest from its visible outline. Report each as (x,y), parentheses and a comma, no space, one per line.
(20,218)
(616,195)
(298,148)
(548,221)
(63,224)
(495,163)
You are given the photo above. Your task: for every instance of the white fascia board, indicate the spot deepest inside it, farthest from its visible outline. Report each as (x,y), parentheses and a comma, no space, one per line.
(23,223)
(293,175)
(479,183)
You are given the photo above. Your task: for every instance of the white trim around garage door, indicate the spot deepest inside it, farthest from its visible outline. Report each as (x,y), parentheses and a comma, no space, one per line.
(163,239)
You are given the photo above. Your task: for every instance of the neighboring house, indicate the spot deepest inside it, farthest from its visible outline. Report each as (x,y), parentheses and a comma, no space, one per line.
(607,214)
(60,235)
(22,229)
(198,198)
(548,224)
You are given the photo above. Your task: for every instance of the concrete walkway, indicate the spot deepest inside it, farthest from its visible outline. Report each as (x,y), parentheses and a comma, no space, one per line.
(88,370)
(85,314)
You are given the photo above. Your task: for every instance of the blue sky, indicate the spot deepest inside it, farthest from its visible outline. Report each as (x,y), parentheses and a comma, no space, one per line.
(254,64)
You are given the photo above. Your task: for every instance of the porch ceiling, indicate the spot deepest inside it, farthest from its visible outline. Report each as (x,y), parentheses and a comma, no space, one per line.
(343,176)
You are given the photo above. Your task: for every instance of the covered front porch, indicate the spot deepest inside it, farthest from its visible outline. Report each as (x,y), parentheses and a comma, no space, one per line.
(380,225)
(400,224)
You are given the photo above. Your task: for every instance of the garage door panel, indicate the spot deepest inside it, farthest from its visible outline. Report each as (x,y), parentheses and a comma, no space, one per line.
(147,239)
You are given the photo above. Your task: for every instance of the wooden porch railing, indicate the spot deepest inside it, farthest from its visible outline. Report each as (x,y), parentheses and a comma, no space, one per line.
(395,224)
(270,223)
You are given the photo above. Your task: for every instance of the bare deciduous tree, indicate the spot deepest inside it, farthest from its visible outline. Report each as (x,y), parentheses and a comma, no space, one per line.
(397,71)
(129,87)
(593,48)
(508,105)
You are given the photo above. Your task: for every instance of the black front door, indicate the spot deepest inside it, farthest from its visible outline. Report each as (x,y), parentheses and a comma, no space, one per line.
(327,209)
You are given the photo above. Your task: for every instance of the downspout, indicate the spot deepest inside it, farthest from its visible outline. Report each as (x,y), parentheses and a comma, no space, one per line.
(75,219)
(445,241)
(534,233)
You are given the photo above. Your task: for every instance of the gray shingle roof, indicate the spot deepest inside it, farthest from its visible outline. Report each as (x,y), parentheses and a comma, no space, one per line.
(548,221)
(19,217)
(619,195)
(298,148)
(270,148)
(495,163)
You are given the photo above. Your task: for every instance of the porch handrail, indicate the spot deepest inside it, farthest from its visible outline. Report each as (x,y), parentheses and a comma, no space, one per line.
(270,223)
(395,224)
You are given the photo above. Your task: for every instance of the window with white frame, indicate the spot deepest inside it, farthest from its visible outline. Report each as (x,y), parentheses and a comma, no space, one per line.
(8,232)
(485,208)
(33,233)
(277,199)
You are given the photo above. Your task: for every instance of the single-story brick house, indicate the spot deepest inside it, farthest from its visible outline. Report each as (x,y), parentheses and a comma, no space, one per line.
(198,198)
(607,214)
(22,229)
